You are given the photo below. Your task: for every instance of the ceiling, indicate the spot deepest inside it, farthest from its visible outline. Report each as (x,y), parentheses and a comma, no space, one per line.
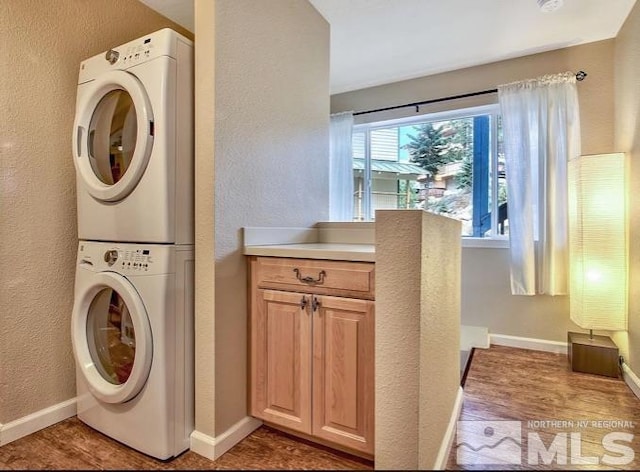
(374,42)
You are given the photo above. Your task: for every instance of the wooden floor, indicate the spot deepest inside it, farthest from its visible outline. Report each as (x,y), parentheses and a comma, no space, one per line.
(71,445)
(517,400)
(504,388)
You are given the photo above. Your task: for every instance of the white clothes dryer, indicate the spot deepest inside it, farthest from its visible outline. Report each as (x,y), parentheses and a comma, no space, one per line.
(132,336)
(133,142)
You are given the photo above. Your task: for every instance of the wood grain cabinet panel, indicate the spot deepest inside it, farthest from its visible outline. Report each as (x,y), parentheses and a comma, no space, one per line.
(312,354)
(281,360)
(343,384)
(345,279)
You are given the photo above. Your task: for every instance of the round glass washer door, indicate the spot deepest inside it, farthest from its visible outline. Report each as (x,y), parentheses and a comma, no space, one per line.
(111,338)
(113,135)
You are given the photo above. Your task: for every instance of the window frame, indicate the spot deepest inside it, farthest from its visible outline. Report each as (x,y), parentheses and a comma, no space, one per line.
(495,240)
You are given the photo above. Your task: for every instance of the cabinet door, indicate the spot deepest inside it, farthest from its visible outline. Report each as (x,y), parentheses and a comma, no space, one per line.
(281,359)
(343,371)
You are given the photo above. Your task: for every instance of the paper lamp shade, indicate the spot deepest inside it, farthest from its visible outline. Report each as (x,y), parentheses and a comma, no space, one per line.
(598,242)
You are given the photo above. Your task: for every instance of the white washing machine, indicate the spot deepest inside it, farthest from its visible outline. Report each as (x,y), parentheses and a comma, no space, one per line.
(133,142)
(132,334)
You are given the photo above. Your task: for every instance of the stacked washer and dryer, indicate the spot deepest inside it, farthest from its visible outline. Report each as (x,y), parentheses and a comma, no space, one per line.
(132,321)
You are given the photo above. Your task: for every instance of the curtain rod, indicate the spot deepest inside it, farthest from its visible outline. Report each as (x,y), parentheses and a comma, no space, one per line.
(579,76)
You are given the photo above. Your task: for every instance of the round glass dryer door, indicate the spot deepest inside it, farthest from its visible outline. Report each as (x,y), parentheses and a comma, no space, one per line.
(112,338)
(113,135)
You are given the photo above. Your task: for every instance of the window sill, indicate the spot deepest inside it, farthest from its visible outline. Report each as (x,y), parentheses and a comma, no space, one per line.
(485,243)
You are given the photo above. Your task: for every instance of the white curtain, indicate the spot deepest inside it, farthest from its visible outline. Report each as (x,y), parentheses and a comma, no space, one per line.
(541,130)
(341,168)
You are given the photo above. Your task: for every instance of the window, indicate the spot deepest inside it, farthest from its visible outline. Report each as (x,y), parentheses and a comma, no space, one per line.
(449,163)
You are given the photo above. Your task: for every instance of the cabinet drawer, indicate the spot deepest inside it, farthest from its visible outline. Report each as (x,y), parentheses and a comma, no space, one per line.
(352,279)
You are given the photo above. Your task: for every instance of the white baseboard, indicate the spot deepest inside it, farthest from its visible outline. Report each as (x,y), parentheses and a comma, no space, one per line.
(212,448)
(557,347)
(631,379)
(36,421)
(447,441)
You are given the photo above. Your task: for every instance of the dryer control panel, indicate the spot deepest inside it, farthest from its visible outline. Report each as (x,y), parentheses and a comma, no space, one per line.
(134,53)
(164,42)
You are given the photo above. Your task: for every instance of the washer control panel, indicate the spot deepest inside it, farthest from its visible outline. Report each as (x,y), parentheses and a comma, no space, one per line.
(137,260)
(126,259)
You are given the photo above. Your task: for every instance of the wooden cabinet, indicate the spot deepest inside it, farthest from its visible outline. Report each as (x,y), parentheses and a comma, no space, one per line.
(312,353)
(342,372)
(281,360)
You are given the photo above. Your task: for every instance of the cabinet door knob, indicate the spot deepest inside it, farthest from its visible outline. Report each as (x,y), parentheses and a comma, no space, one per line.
(303,303)
(315,303)
(308,279)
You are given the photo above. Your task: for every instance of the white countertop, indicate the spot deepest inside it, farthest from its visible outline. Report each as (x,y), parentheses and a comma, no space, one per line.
(335,251)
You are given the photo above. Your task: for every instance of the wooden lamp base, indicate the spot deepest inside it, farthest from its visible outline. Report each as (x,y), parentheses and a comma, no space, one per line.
(593,355)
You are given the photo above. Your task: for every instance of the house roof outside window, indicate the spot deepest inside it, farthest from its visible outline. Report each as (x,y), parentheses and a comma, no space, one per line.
(390,169)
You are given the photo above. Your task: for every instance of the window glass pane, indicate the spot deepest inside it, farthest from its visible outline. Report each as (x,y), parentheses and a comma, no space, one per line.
(453,167)
(503,216)
(393,178)
(358,145)
(384,144)
(445,150)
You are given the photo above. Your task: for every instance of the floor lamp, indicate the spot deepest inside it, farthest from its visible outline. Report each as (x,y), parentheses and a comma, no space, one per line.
(597,260)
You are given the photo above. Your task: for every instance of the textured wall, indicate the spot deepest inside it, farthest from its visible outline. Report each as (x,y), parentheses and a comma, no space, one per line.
(205,401)
(487,300)
(271,155)
(627,139)
(41,48)
(417,335)
(439,332)
(595,92)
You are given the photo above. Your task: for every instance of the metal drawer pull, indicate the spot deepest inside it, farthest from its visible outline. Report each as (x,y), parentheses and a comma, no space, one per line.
(308,279)
(303,303)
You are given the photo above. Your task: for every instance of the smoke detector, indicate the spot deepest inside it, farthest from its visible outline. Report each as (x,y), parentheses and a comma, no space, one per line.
(549,5)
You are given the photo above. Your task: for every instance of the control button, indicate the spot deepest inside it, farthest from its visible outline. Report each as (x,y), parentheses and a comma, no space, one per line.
(110,257)
(112,56)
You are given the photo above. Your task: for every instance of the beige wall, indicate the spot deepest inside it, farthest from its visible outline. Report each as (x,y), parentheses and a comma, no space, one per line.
(486,300)
(627,139)
(42,46)
(271,124)
(417,336)
(205,400)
